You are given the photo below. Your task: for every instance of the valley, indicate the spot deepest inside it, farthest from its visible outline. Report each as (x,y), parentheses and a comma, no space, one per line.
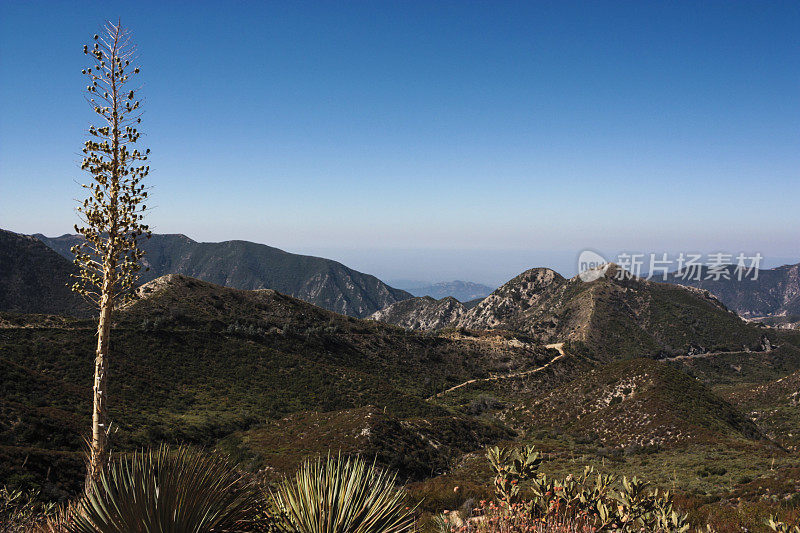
(621,374)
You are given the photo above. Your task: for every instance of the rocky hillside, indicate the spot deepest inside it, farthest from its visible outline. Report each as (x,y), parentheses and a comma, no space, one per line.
(614,316)
(774,292)
(422,313)
(520,304)
(638,402)
(35,279)
(247,265)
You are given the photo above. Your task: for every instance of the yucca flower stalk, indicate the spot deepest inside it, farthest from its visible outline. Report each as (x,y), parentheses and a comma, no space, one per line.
(342,495)
(108,257)
(167,491)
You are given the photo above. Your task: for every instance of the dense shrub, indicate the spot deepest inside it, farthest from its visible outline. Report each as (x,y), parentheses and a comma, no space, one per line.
(574,503)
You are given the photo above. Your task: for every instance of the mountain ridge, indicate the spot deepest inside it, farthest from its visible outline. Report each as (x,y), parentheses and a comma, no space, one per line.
(617,314)
(773,292)
(463,291)
(246,265)
(35,279)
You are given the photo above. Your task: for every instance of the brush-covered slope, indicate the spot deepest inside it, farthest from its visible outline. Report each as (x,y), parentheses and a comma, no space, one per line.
(636,317)
(422,313)
(774,406)
(414,447)
(774,292)
(614,316)
(638,402)
(195,362)
(247,265)
(35,279)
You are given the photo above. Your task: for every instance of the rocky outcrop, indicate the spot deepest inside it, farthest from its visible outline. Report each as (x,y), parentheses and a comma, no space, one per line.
(518,304)
(424,313)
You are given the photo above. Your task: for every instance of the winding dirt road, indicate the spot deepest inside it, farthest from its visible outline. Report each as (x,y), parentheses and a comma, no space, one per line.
(559,346)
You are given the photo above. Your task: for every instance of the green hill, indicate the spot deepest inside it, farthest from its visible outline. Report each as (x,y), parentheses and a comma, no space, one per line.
(639,402)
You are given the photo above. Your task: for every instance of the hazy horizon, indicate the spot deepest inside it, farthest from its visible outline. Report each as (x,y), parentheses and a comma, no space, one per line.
(492,267)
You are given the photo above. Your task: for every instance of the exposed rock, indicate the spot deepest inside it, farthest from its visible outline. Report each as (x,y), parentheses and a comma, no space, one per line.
(422,313)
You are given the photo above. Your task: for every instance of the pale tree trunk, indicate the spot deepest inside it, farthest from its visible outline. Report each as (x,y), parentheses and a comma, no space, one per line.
(98,445)
(112,215)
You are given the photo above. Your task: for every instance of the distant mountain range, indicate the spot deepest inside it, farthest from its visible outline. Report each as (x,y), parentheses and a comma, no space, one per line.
(463,291)
(773,292)
(34,279)
(248,265)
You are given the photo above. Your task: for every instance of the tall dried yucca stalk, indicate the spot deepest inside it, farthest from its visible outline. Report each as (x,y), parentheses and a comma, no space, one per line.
(108,256)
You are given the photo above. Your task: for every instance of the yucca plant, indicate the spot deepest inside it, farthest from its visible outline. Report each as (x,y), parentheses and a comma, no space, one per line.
(167,491)
(339,495)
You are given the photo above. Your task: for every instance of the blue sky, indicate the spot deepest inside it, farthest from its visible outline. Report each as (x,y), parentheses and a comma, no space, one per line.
(429,140)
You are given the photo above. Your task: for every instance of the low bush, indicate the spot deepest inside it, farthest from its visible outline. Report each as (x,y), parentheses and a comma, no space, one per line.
(575,503)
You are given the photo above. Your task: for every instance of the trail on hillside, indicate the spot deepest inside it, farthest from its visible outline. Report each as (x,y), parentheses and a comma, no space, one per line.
(712,354)
(559,346)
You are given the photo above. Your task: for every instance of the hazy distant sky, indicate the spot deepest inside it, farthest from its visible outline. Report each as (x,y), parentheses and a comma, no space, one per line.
(388,134)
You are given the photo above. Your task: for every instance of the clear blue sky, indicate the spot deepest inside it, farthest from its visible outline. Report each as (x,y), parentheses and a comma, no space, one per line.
(377,131)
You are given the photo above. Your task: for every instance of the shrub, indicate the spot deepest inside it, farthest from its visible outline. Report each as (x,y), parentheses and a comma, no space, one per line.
(342,495)
(22,511)
(167,490)
(589,498)
(491,518)
(512,466)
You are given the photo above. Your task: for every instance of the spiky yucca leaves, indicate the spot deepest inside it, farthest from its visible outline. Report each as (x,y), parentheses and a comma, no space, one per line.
(781,527)
(169,491)
(338,495)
